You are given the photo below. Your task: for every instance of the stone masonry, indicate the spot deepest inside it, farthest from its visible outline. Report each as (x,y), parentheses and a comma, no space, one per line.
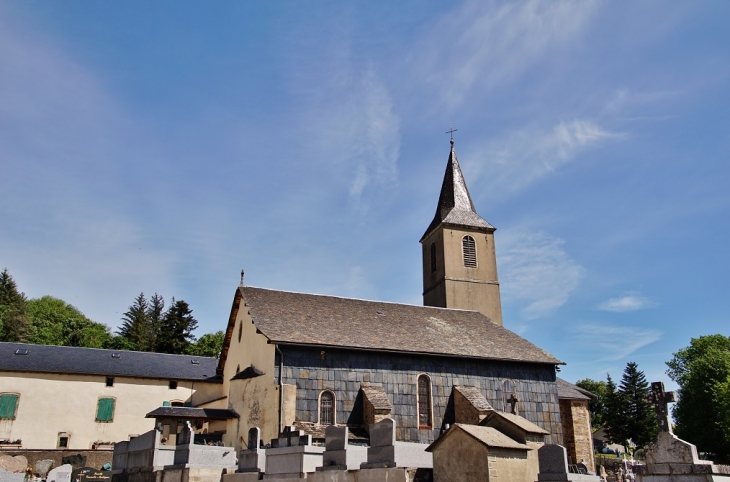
(344,372)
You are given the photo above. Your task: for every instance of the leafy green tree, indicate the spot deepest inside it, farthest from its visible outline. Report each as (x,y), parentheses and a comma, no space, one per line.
(136,325)
(702,371)
(55,322)
(210,344)
(176,331)
(597,406)
(13,314)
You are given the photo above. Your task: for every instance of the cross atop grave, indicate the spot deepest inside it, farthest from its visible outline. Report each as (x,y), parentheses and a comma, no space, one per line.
(513,401)
(290,436)
(660,399)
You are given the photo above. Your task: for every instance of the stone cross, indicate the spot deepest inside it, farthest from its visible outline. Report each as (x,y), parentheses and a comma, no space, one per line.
(290,436)
(513,400)
(660,399)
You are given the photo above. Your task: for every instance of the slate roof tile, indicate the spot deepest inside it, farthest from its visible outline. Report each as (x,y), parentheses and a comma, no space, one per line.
(567,390)
(329,321)
(94,361)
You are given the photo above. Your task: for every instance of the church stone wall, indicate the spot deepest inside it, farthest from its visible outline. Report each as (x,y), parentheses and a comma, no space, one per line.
(343,372)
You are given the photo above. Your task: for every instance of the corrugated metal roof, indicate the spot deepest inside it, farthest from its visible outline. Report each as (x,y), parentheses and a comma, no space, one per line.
(93,361)
(306,319)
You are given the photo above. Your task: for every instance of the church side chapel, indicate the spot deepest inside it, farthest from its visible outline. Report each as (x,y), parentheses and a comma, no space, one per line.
(311,361)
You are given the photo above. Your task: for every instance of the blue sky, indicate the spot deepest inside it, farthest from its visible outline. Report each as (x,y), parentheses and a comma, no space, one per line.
(161,147)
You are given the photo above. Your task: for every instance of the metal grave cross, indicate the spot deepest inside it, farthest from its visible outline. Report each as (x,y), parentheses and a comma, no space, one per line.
(513,400)
(660,399)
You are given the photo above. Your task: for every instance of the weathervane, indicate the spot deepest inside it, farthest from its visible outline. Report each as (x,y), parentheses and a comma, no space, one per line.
(451,131)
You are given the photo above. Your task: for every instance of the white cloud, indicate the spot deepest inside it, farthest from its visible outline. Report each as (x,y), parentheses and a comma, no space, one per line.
(536,270)
(616,342)
(525,156)
(495,42)
(630,301)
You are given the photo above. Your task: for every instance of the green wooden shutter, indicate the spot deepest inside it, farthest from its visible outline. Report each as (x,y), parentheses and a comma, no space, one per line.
(105,410)
(8,404)
(166,404)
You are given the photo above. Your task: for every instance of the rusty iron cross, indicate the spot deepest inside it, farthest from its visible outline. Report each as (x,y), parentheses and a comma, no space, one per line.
(451,130)
(660,399)
(513,400)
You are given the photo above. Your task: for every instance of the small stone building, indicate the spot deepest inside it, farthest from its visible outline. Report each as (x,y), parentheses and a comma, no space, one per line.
(576,421)
(477,453)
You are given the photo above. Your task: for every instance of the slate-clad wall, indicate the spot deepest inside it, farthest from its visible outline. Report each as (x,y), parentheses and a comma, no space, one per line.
(342,371)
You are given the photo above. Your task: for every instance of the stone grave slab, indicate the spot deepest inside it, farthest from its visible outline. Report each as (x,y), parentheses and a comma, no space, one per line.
(553,460)
(43,466)
(90,474)
(253,458)
(60,474)
(7,476)
(13,464)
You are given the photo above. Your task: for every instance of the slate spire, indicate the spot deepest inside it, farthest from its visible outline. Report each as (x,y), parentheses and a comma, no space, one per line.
(455,205)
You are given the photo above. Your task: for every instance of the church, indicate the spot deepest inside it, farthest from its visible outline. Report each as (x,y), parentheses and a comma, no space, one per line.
(313,360)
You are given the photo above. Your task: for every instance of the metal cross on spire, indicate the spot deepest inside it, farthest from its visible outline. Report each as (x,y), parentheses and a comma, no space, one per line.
(451,131)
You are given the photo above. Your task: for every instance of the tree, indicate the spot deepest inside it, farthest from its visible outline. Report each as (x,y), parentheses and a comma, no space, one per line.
(702,371)
(597,406)
(629,416)
(136,325)
(13,315)
(210,344)
(176,331)
(52,321)
(155,315)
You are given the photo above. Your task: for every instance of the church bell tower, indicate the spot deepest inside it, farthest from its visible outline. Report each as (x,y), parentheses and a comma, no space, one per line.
(459,259)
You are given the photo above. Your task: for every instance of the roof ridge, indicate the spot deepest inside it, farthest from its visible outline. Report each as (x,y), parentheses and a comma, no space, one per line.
(110,350)
(365,300)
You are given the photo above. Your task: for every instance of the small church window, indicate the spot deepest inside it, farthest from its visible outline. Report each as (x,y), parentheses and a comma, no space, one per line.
(424,402)
(327,408)
(433,257)
(470,252)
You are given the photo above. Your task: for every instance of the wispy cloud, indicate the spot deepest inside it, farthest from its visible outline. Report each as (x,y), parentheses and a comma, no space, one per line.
(616,342)
(630,301)
(493,43)
(527,155)
(536,270)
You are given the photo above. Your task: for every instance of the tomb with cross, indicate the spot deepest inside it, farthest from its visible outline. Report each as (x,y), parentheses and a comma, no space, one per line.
(660,399)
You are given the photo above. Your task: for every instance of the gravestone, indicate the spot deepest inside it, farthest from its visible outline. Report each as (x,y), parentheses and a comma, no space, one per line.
(252,459)
(339,455)
(60,474)
(553,460)
(671,459)
(13,464)
(386,452)
(90,474)
(292,455)
(43,466)
(6,476)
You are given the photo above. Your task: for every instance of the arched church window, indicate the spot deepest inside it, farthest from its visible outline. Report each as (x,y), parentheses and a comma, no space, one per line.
(424,402)
(433,257)
(327,408)
(470,251)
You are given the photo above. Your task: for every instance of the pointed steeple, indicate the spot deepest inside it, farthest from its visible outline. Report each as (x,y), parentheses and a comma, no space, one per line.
(455,205)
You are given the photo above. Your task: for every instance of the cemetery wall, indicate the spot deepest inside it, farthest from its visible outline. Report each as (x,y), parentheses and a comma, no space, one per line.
(87,458)
(50,404)
(343,372)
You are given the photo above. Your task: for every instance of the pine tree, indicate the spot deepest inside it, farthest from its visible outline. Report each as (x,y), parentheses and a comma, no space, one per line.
(14,323)
(136,324)
(155,315)
(176,333)
(615,412)
(641,423)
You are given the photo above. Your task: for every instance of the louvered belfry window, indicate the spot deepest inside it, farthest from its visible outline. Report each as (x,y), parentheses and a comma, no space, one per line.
(433,257)
(327,409)
(470,252)
(424,402)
